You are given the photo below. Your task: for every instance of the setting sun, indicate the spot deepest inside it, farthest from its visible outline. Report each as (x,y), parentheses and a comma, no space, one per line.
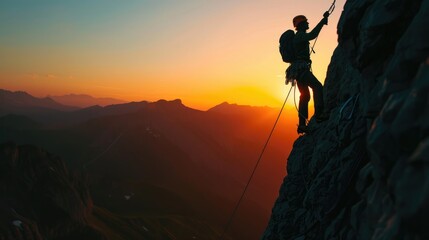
(203,53)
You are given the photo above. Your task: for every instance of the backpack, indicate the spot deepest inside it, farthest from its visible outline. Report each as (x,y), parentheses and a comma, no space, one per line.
(286,46)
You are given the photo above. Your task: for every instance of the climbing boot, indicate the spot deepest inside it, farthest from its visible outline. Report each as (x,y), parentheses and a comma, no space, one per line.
(302,129)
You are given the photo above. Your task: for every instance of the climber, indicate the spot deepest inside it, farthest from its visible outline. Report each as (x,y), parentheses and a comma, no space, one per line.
(300,70)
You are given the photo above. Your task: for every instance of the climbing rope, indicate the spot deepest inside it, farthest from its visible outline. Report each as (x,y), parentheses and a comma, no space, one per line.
(254,170)
(330,11)
(353,99)
(332,7)
(312,47)
(105,150)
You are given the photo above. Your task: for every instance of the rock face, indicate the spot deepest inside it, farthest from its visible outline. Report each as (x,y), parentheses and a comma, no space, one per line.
(40,198)
(364,173)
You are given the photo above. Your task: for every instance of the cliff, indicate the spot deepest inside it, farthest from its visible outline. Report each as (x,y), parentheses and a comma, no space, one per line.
(40,198)
(364,173)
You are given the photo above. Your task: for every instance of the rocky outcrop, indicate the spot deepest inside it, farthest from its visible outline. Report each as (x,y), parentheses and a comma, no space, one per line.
(40,198)
(364,173)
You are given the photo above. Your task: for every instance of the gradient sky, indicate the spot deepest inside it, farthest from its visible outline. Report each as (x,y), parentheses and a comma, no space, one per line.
(203,52)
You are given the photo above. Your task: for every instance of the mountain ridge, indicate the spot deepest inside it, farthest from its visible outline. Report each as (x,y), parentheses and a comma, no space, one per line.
(20,101)
(85,100)
(144,156)
(32,101)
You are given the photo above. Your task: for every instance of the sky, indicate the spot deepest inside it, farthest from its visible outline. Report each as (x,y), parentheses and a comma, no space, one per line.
(202,51)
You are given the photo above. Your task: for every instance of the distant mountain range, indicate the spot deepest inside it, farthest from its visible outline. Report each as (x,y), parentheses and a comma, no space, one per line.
(162,158)
(21,102)
(83,100)
(17,100)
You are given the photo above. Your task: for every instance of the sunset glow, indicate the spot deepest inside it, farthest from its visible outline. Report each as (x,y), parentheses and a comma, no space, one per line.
(203,52)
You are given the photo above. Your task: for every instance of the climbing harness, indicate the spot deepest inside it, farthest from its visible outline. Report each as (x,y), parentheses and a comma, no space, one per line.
(254,170)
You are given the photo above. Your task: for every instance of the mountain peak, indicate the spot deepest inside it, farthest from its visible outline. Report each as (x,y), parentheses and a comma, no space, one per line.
(228,108)
(174,102)
(169,104)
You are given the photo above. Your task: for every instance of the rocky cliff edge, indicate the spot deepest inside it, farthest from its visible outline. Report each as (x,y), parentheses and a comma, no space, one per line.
(364,173)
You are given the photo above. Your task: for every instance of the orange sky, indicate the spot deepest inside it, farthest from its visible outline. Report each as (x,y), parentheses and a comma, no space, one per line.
(203,52)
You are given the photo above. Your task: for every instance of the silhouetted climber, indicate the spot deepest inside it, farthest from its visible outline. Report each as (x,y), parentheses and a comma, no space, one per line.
(300,69)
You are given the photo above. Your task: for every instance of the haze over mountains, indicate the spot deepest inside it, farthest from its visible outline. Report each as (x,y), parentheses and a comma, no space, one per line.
(19,101)
(84,100)
(20,98)
(161,158)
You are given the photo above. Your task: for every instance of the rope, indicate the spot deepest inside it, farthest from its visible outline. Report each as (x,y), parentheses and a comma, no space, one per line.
(312,48)
(330,11)
(332,7)
(254,170)
(106,150)
(354,98)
